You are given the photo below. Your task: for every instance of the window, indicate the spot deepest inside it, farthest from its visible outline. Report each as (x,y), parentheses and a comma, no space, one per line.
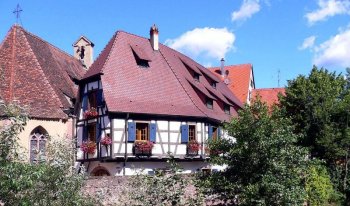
(192,132)
(38,138)
(139,61)
(142,131)
(213,84)
(209,103)
(92,99)
(196,76)
(227,108)
(91,130)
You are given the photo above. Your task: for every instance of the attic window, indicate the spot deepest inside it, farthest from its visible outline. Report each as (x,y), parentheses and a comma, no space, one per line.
(227,108)
(209,103)
(140,56)
(196,77)
(213,84)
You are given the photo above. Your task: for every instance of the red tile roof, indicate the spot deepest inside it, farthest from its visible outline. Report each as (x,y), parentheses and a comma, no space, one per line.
(238,79)
(268,95)
(37,74)
(166,87)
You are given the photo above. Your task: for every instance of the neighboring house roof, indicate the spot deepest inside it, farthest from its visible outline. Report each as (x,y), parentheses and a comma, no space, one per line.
(166,87)
(268,95)
(239,77)
(37,74)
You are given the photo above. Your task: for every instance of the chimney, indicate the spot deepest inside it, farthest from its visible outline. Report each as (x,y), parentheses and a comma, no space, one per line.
(83,50)
(222,68)
(154,37)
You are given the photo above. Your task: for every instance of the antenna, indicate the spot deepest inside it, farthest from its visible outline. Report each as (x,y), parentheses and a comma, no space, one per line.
(17,11)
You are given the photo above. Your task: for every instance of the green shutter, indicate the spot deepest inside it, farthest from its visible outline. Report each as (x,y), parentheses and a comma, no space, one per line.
(98,136)
(219,132)
(85,102)
(85,133)
(99,97)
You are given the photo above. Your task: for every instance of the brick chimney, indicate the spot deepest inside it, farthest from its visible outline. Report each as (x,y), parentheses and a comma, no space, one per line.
(83,50)
(154,37)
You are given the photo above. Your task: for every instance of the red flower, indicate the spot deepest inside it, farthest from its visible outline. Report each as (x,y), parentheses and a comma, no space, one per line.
(143,145)
(88,147)
(193,145)
(106,141)
(91,113)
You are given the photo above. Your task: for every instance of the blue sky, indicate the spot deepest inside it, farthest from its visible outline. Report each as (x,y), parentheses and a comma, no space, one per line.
(285,35)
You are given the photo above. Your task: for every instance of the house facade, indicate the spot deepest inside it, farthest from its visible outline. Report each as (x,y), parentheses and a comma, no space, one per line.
(141,101)
(40,77)
(239,79)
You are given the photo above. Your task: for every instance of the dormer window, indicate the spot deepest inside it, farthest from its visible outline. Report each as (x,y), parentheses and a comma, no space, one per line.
(140,56)
(209,103)
(213,84)
(196,77)
(227,109)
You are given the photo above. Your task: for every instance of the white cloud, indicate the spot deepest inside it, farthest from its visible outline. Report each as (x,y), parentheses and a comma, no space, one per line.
(328,8)
(211,42)
(247,9)
(308,43)
(334,52)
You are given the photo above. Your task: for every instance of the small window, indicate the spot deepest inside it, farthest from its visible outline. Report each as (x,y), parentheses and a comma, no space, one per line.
(209,103)
(139,61)
(227,108)
(192,132)
(38,139)
(196,76)
(213,84)
(91,129)
(92,99)
(142,131)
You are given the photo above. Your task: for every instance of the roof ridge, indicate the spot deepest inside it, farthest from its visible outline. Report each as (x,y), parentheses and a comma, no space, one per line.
(46,42)
(115,36)
(217,67)
(177,78)
(272,88)
(42,72)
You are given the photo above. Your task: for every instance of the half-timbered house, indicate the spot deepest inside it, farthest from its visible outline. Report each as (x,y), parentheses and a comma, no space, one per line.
(141,101)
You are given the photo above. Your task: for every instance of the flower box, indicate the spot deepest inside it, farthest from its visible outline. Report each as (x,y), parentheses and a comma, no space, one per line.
(91,113)
(193,148)
(143,148)
(88,147)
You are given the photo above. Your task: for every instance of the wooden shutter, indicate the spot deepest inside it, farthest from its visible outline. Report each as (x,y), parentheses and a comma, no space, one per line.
(99,97)
(98,137)
(152,132)
(85,102)
(184,133)
(131,131)
(210,132)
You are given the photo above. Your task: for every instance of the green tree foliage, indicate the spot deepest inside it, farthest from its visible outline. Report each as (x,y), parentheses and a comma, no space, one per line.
(319,187)
(53,182)
(319,106)
(264,166)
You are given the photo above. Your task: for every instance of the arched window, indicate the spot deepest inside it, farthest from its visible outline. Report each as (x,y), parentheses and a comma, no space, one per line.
(38,138)
(100,171)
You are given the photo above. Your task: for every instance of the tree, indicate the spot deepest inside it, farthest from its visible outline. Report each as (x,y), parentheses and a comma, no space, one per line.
(53,182)
(264,166)
(319,106)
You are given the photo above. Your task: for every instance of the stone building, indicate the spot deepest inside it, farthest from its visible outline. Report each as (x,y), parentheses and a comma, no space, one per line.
(41,77)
